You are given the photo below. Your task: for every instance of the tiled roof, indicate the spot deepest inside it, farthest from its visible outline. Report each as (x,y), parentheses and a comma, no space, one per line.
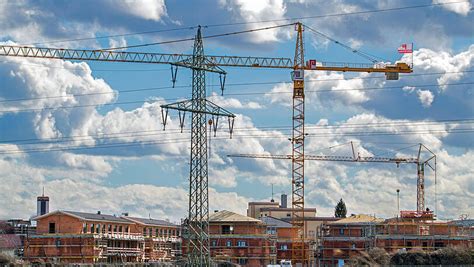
(149,221)
(10,241)
(271,221)
(85,216)
(229,216)
(97,217)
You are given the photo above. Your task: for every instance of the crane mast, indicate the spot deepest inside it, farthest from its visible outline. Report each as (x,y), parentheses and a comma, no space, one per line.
(298,250)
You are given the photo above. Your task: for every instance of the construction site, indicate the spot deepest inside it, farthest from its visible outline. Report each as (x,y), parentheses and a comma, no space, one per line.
(283,232)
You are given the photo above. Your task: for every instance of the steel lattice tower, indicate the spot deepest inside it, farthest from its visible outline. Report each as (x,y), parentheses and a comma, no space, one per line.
(298,249)
(196,231)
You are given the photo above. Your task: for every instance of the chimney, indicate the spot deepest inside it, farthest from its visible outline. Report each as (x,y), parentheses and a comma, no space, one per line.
(98,212)
(125,214)
(42,204)
(283,202)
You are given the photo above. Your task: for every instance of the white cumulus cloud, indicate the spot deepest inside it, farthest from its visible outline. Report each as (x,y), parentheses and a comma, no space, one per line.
(426,97)
(462,8)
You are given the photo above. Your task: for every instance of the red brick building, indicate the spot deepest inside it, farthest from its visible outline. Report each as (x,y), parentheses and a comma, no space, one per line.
(242,240)
(283,233)
(345,238)
(78,237)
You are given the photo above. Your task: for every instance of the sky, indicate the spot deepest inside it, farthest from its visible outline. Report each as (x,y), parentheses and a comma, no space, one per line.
(91,133)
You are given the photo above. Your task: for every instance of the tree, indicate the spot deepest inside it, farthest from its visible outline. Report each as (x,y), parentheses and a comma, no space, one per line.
(340,210)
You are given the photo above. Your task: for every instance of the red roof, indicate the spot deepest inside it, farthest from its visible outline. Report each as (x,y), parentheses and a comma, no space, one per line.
(10,241)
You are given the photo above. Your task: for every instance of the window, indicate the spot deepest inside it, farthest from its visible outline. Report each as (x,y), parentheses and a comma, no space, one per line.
(52,228)
(227,229)
(242,261)
(228,243)
(177,232)
(341,231)
(241,243)
(144,231)
(84,228)
(213,243)
(104,227)
(288,215)
(150,231)
(284,247)
(92,228)
(115,228)
(271,230)
(156,232)
(120,229)
(97,228)
(126,229)
(110,228)
(161,232)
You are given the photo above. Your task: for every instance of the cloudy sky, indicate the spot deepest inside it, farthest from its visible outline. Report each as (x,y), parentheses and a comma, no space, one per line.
(90,133)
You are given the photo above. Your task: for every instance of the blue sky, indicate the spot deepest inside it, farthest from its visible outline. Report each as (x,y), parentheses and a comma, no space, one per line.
(434,106)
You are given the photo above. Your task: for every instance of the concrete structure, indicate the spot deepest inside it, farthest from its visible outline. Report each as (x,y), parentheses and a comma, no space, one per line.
(42,205)
(283,233)
(254,208)
(346,238)
(78,237)
(272,212)
(242,240)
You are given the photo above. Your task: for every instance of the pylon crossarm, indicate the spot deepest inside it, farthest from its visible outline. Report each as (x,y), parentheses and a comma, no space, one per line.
(211,108)
(206,65)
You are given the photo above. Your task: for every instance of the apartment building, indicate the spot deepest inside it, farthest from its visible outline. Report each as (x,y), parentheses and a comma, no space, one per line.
(79,237)
(239,239)
(348,237)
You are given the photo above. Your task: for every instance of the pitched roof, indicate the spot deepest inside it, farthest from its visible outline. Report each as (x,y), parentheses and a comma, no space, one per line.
(87,216)
(360,218)
(153,222)
(272,221)
(97,217)
(10,241)
(229,216)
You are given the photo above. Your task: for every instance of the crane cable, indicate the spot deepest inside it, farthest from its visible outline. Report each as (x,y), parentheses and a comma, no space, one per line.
(374,59)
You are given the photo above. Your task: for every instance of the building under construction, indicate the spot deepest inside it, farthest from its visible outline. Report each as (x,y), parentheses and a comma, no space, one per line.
(78,237)
(348,237)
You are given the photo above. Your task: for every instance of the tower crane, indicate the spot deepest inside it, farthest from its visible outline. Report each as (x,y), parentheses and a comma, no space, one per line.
(420,163)
(198,209)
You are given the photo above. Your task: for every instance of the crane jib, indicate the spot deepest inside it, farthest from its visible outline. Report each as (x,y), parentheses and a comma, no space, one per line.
(211,60)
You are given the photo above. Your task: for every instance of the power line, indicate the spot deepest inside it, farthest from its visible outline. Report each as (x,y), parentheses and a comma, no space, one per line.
(251,22)
(192,38)
(172,141)
(231,94)
(339,14)
(115,35)
(92,69)
(232,84)
(148,133)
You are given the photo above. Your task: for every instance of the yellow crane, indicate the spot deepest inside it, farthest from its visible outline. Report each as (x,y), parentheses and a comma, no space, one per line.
(199,107)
